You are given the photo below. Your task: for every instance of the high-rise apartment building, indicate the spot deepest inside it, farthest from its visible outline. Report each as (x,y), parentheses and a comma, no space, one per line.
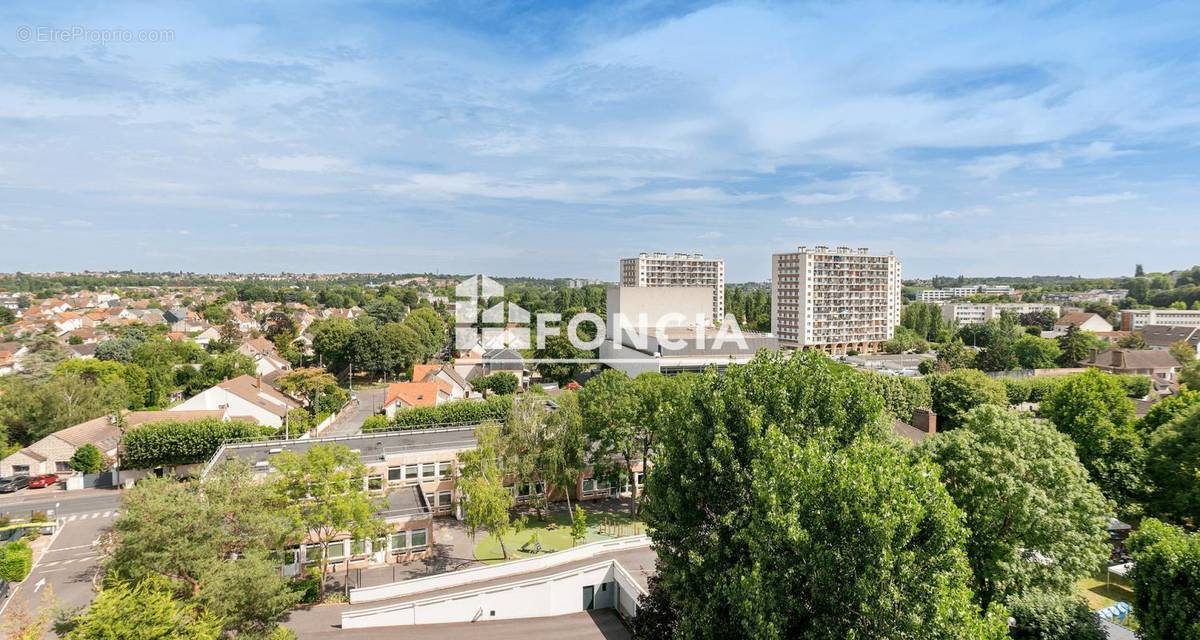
(677,270)
(834,299)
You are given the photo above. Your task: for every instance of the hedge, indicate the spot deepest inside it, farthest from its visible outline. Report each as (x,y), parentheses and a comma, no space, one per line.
(493,408)
(16,560)
(176,442)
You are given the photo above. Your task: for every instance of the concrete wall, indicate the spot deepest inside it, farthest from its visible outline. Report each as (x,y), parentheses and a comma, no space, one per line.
(553,595)
(657,303)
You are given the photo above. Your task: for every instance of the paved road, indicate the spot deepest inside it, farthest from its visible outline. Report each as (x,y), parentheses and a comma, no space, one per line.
(592,625)
(350,422)
(69,502)
(67,567)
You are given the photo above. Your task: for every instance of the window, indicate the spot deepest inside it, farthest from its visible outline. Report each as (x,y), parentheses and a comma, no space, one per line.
(358,547)
(399,541)
(589,484)
(60,467)
(395,474)
(20,469)
(312,553)
(419,538)
(410,472)
(378,544)
(444,470)
(444,500)
(639,478)
(524,490)
(428,470)
(374,483)
(337,550)
(429,500)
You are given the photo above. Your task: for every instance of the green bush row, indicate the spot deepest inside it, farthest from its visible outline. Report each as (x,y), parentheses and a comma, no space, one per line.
(177,442)
(16,560)
(493,408)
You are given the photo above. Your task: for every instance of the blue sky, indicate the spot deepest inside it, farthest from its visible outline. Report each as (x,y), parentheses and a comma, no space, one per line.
(551,139)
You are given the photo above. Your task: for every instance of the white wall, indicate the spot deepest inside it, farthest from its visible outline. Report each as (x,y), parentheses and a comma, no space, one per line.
(658,302)
(554,595)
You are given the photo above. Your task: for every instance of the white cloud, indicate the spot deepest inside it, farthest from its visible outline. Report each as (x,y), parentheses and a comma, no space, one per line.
(820,223)
(992,167)
(445,186)
(1101,198)
(868,185)
(305,163)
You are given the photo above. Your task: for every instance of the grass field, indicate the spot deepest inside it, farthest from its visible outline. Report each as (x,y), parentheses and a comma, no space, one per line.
(554,532)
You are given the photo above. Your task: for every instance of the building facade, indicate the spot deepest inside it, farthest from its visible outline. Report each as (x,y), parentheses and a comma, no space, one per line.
(834,299)
(961,313)
(677,270)
(955,293)
(1135,319)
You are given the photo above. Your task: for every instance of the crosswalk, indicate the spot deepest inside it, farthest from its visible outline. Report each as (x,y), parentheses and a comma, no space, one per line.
(88,516)
(58,563)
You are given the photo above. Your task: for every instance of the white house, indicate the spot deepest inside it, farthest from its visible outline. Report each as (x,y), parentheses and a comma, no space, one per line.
(244,397)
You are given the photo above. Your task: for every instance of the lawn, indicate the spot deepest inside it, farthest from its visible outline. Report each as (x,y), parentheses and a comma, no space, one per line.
(554,532)
(1100,595)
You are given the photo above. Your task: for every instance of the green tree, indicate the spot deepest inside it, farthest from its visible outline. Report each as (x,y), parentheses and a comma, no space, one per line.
(900,394)
(1189,375)
(308,384)
(182,532)
(1173,461)
(1166,410)
(558,348)
(954,355)
(806,524)
(1036,353)
(501,382)
(957,392)
(1036,523)
(1133,341)
(487,502)
(1076,346)
(248,593)
(1166,570)
(1183,351)
(88,459)
(326,488)
(146,610)
(1093,410)
(566,443)
(578,525)
(618,417)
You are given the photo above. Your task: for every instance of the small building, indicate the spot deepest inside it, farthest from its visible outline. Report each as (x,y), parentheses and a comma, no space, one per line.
(924,424)
(245,397)
(448,378)
(267,361)
(52,453)
(1083,321)
(406,395)
(1159,365)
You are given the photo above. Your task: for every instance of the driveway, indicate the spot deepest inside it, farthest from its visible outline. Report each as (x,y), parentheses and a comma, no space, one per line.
(350,421)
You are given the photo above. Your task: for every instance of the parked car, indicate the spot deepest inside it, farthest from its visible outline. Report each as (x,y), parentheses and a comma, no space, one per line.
(13,483)
(41,482)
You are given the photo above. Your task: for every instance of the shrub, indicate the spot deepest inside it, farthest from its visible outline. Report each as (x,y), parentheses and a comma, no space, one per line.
(1017,390)
(1135,386)
(87,459)
(16,560)
(1053,616)
(1166,570)
(376,423)
(174,442)
(462,411)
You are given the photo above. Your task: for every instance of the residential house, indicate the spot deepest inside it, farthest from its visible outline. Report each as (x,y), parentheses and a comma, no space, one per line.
(405,395)
(67,321)
(11,354)
(52,453)
(210,334)
(1162,337)
(448,379)
(1159,365)
(245,397)
(1084,321)
(267,361)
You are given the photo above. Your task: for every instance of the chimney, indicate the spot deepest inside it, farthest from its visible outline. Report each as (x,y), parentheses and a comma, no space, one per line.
(925,420)
(1118,359)
(258,381)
